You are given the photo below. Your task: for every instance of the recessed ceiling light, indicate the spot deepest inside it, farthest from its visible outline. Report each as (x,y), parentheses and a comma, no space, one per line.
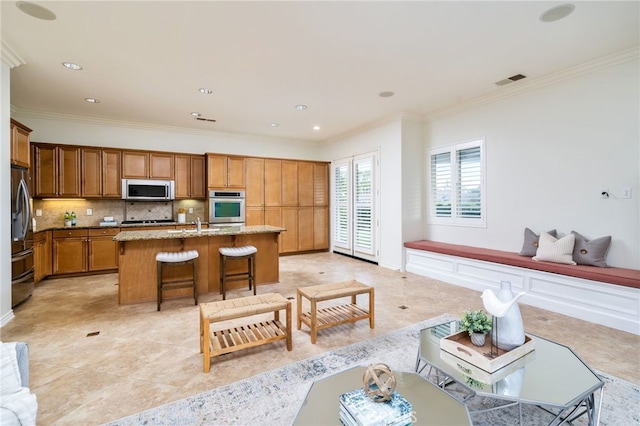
(316,128)
(72,66)
(274,124)
(195,114)
(386,94)
(558,12)
(36,11)
(301,107)
(205,91)
(92,100)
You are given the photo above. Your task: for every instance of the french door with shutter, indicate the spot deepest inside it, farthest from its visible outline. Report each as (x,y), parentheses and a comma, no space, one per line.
(354,219)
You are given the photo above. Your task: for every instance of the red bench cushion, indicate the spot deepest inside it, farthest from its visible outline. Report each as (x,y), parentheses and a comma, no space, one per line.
(620,276)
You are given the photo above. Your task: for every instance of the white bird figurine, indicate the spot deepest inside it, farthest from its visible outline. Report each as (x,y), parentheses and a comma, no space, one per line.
(495,306)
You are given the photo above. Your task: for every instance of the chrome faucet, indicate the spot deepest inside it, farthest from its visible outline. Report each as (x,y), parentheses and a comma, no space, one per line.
(198,224)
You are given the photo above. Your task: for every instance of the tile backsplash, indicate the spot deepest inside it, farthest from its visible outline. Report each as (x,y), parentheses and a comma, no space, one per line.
(53,211)
(148,210)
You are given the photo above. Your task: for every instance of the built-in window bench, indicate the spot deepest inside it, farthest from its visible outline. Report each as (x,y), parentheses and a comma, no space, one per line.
(607,296)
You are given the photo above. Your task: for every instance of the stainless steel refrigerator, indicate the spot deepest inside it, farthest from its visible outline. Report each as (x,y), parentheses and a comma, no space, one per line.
(22,272)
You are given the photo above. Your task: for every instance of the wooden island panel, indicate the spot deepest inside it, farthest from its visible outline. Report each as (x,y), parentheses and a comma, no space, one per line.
(137,269)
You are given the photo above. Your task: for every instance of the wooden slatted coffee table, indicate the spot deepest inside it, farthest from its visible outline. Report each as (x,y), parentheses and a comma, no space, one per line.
(318,319)
(218,342)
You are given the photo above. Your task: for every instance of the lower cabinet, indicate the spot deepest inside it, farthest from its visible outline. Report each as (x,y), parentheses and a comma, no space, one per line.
(84,250)
(42,255)
(69,251)
(103,251)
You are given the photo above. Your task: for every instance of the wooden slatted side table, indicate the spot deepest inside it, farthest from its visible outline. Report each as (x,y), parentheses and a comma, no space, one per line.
(218,342)
(318,319)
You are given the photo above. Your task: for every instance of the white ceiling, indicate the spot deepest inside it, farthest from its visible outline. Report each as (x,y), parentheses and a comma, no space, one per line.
(145,60)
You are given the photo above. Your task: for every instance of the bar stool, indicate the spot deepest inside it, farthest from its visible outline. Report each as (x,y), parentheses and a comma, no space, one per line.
(238,253)
(165,259)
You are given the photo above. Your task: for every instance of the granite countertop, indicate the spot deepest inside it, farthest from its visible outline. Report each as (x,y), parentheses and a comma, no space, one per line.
(120,225)
(191,233)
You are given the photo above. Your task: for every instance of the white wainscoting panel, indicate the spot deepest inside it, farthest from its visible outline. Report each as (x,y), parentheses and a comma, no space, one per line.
(601,303)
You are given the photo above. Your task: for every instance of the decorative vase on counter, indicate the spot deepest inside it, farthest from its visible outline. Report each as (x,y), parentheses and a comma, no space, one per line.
(478,339)
(509,328)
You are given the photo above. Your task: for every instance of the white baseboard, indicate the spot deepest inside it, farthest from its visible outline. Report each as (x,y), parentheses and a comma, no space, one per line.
(601,303)
(6,318)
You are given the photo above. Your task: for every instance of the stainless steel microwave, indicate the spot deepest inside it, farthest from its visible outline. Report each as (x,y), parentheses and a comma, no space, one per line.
(148,189)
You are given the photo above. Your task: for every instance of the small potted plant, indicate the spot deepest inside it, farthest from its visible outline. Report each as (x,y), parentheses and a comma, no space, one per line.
(477,324)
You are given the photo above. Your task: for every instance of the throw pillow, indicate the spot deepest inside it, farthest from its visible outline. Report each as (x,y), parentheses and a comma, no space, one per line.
(551,249)
(592,252)
(530,245)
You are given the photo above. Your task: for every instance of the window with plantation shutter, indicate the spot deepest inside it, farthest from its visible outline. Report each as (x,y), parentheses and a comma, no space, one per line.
(456,184)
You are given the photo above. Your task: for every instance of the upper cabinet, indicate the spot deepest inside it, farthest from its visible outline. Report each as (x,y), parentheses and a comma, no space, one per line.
(20,150)
(272,182)
(147,165)
(225,171)
(101,173)
(56,171)
(189,176)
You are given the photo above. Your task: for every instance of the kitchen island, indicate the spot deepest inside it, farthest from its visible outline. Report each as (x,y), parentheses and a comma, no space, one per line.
(137,251)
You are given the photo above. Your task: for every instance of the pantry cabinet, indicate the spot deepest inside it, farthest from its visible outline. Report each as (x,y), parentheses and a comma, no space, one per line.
(56,171)
(20,148)
(255,182)
(189,176)
(272,182)
(289,183)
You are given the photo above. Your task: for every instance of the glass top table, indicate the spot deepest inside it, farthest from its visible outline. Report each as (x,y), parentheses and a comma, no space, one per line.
(552,377)
(431,405)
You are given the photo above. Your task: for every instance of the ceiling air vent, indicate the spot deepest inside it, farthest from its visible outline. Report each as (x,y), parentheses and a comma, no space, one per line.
(211,120)
(510,79)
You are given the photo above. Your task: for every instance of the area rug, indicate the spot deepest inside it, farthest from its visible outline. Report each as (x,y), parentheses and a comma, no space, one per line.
(274,397)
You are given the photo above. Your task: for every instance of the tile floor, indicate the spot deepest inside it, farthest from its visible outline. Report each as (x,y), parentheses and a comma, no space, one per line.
(141,358)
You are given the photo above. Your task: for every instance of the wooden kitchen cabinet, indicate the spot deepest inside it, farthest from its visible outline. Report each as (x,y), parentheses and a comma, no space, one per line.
(225,172)
(305,228)
(100,173)
(56,171)
(189,176)
(272,182)
(135,165)
(69,251)
(289,183)
(147,165)
(305,184)
(321,228)
(103,251)
(161,165)
(255,181)
(289,238)
(20,146)
(254,216)
(111,173)
(91,172)
(321,184)
(42,255)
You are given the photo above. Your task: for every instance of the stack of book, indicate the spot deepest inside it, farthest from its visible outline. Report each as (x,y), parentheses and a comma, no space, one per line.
(357,409)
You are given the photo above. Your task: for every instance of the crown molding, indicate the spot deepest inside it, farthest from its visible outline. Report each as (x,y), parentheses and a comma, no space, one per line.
(70,118)
(405,116)
(10,57)
(628,55)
